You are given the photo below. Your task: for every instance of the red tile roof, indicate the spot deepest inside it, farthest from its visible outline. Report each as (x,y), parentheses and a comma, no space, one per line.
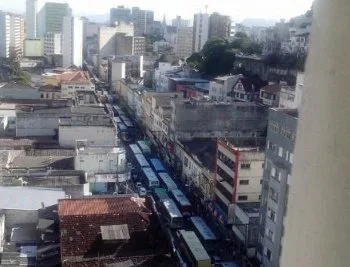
(80,225)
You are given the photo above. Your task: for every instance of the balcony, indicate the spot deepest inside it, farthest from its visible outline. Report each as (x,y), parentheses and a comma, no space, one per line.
(224,167)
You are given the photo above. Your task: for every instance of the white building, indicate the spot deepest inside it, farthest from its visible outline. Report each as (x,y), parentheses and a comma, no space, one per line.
(72,42)
(290,97)
(184,42)
(239,172)
(200,31)
(52,43)
(12,35)
(220,87)
(162,74)
(31,18)
(33,48)
(68,88)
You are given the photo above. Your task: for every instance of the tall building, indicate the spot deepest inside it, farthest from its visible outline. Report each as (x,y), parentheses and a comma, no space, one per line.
(200,31)
(143,20)
(179,22)
(52,44)
(219,26)
(11,35)
(31,18)
(50,17)
(279,155)
(120,14)
(72,42)
(184,42)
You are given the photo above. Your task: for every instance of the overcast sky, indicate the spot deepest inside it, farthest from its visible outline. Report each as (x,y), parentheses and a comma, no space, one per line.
(237,9)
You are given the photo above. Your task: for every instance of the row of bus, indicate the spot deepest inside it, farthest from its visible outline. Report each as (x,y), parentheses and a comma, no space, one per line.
(174,207)
(123,123)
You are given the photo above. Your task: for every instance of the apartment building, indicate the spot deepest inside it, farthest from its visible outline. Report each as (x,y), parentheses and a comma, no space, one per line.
(278,164)
(200,31)
(184,41)
(52,43)
(72,42)
(31,18)
(219,26)
(120,13)
(12,35)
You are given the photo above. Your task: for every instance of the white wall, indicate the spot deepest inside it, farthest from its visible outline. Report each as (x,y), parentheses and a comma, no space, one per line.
(31,18)
(72,42)
(201,33)
(68,89)
(97,135)
(33,48)
(36,126)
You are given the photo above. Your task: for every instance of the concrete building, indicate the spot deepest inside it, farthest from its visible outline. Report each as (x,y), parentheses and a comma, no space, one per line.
(200,31)
(298,40)
(139,46)
(68,88)
(247,89)
(220,88)
(33,48)
(120,13)
(180,22)
(162,74)
(290,97)
(121,67)
(31,19)
(279,156)
(239,173)
(12,35)
(219,26)
(184,41)
(124,45)
(52,44)
(142,20)
(270,94)
(200,118)
(18,91)
(170,35)
(50,17)
(72,42)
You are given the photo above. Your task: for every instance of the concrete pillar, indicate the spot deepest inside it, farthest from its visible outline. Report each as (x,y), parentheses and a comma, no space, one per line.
(317,223)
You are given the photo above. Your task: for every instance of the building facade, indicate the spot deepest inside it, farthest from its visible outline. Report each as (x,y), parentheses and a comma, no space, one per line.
(200,31)
(120,13)
(72,42)
(143,20)
(68,88)
(50,17)
(33,48)
(221,87)
(12,35)
(239,172)
(31,18)
(278,164)
(180,22)
(219,26)
(52,44)
(184,41)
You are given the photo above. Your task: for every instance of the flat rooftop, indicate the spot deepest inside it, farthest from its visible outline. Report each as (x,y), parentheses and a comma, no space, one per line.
(250,207)
(190,80)
(291,112)
(25,198)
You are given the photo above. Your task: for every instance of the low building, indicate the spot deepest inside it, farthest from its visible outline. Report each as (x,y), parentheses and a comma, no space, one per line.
(201,118)
(68,88)
(290,96)
(111,230)
(199,90)
(220,87)
(18,91)
(247,89)
(270,94)
(162,75)
(246,226)
(185,78)
(33,48)
(239,172)
(197,164)
(49,91)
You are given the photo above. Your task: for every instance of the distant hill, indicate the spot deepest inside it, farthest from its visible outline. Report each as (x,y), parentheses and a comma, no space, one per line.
(259,22)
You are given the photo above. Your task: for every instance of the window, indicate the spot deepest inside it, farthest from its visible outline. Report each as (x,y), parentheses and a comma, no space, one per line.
(273,172)
(274,127)
(291,157)
(271,214)
(245,165)
(268,254)
(186,161)
(261,181)
(269,234)
(242,197)
(280,151)
(287,155)
(243,182)
(273,194)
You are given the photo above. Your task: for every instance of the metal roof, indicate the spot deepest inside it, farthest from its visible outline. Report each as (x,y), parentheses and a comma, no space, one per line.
(115,232)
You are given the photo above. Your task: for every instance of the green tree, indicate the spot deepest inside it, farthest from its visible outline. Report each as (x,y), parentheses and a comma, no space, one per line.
(195,61)
(242,35)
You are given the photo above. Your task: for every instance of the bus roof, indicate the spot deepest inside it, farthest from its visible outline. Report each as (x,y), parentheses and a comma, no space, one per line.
(157,165)
(149,173)
(180,197)
(135,149)
(171,207)
(121,127)
(194,245)
(141,160)
(117,119)
(161,193)
(167,180)
(203,228)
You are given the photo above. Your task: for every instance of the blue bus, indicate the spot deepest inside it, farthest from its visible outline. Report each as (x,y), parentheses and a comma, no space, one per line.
(182,201)
(166,181)
(118,110)
(204,233)
(150,178)
(141,161)
(146,150)
(135,149)
(122,127)
(157,165)
(117,120)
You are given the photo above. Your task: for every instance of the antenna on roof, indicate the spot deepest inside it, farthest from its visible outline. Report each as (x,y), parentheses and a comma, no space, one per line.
(206,9)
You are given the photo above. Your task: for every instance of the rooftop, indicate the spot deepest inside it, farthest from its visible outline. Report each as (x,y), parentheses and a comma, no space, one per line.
(250,207)
(34,162)
(272,88)
(16,143)
(245,143)
(291,112)
(190,80)
(42,109)
(60,152)
(30,198)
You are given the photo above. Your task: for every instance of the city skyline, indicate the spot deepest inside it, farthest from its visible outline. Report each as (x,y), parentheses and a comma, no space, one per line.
(269,9)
